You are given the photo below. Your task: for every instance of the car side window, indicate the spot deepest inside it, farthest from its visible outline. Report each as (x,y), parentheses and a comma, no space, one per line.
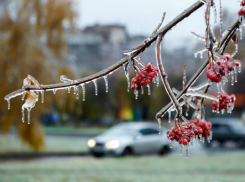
(148,131)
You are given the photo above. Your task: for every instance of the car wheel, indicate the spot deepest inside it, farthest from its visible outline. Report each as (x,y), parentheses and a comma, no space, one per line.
(207,145)
(221,143)
(98,155)
(127,151)
(240,143)
(164,150)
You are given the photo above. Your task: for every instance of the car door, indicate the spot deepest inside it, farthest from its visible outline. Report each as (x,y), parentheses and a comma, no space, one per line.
(221,132)
(146,141)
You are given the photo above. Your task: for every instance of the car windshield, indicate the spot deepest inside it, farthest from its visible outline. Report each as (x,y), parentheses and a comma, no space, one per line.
(120,130)
(238,126)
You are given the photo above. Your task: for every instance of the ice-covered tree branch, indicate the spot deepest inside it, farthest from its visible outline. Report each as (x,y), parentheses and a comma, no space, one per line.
(221,49)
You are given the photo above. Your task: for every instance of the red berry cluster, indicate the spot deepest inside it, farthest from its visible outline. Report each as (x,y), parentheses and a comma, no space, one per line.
(242,11)
(225,102)
(222,66)
(144,76)
(204,126)
(187,131)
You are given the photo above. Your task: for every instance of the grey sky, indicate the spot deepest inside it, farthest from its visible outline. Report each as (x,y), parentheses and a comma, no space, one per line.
(142,16)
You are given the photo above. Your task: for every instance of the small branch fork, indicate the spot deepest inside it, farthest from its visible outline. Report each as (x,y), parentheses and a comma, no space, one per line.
(221,49)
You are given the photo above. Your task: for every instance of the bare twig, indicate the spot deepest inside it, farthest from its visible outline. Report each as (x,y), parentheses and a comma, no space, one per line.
(164,75)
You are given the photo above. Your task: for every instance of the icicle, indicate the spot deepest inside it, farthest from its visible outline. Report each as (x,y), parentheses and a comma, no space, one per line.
(54,91)
(239,68)
(171,144)
(42,96)
(126,67)
(201,55)
(215,13)
(142,90)
(203,140)
(157,79)
(235,72)
(221,20)
(23,114)
(200,136)
(106,83)
(180,151)
(77,92)
(95,86)
(184,75)
(169,116)
(186,153)
(149,89)
(160,125)
(8,103)
(235,51)
(232,78)
(37,95)
(83,87)
(218,88)
(69,89)
(240,29)
(29,114)
(195,54)
(136,93)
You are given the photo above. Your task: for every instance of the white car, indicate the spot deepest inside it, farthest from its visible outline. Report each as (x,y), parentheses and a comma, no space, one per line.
(130,138)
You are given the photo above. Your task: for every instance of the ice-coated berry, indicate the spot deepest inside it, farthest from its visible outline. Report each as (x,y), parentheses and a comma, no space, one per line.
(144,76)
(222,66)
(225,102)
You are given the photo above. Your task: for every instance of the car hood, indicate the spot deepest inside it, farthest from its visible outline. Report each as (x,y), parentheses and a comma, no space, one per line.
(105,138)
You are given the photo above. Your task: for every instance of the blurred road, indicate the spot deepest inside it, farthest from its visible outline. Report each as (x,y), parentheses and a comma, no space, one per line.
(60,146)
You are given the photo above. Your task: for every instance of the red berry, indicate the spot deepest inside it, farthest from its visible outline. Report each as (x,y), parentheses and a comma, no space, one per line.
(171,138)
(200,131)
(147,81)
(152,75)
(241,12)
(185,142)
(237,63)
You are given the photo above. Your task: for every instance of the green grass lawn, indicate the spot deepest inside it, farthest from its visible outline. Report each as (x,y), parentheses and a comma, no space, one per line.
(11,143)
(132,169)
(74,130)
